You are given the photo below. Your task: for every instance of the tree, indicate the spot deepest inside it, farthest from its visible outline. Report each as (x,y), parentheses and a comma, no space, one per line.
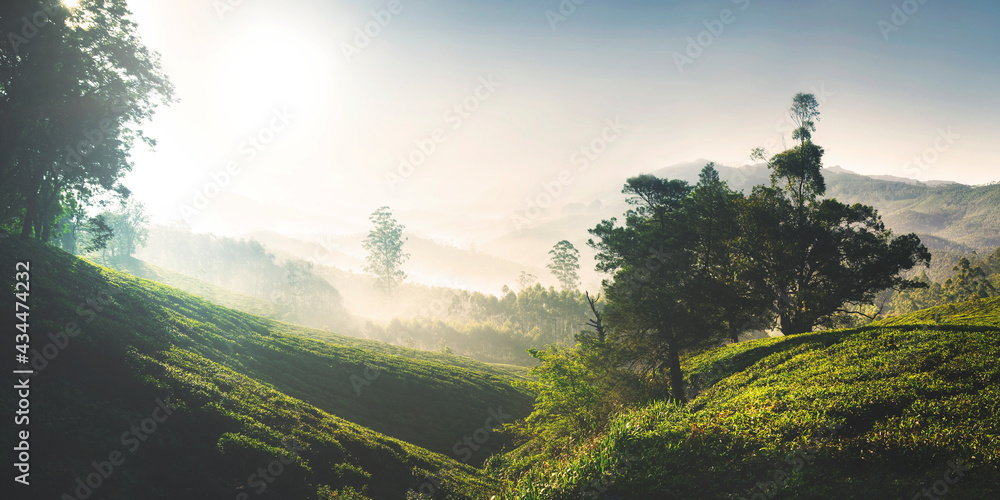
(97,233)
(73,96)
(131,228)
(565,264)
(384,245)
(820,256)
(969,282)
(659,301)
(726,264)
(525,280)
(805,108)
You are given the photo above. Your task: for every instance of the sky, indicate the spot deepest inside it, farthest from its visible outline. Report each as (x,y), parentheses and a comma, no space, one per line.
(297,114)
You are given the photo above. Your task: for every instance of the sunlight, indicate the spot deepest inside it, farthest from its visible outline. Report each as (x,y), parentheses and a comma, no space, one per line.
(276,67)
(71,4)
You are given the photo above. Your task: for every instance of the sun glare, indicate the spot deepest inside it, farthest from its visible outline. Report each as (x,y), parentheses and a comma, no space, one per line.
(72,4)
(260,68)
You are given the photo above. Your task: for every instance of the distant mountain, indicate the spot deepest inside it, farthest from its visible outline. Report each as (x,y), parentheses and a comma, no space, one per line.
(948,216)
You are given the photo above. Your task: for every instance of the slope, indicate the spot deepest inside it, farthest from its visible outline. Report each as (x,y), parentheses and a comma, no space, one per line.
(258,307)
(902,409)
(213,293)
(148,392)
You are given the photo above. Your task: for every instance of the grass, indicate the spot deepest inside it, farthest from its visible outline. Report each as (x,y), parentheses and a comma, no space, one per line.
(883,411)
(212,293)
(878,412)
(247,391)
(258,307)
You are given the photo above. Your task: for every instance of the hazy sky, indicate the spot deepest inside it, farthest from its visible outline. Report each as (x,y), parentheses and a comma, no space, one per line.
(501,95)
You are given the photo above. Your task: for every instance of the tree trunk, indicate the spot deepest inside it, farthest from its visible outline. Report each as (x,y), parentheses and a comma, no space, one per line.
(785,323)
(30,213)
(676,375)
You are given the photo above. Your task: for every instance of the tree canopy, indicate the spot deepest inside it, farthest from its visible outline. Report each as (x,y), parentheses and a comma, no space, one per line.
(75,87)
(696,265)
(565,264)
(384,245)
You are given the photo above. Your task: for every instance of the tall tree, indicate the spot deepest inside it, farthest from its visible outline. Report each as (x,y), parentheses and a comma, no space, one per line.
(820,255)
(658,301)
(728,273)
(804,113)
(565,264)
(384,245)
(75,87)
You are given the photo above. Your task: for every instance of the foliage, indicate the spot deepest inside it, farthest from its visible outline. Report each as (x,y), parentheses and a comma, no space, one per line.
(565,264)
(974,277)
(293,286)
(128,228)
(245,388)
(577,391)
(677,271)
(494,329)
(98,233)
(876,412)
(72,100)
(820,256)
(384,245)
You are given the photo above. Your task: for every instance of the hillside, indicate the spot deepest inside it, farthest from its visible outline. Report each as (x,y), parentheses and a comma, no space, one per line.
(213,293)
(234,393)
(889,411)
(257,307)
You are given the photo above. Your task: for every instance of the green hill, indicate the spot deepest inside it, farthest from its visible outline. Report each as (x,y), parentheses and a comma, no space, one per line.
(903,407)
(212,293)
(171,396)
(258,307)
